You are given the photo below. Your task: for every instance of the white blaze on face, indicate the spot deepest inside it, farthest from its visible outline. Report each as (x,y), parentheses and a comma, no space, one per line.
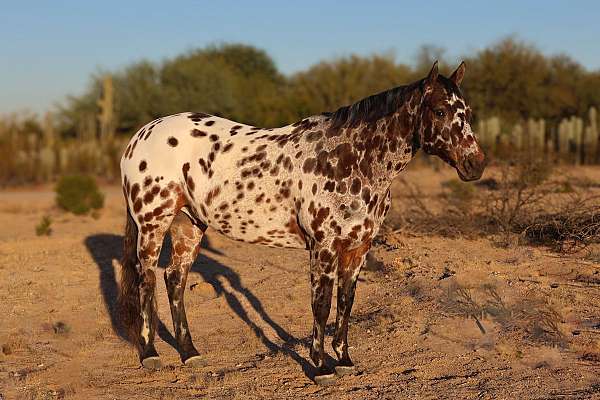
(460,118)
(468,135)
(453,99)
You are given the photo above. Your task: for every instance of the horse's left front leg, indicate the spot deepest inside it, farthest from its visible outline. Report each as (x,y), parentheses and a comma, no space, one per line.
(321,279)
(349,266)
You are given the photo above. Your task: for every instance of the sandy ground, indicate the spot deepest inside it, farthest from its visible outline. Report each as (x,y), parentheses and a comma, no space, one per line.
(417,330)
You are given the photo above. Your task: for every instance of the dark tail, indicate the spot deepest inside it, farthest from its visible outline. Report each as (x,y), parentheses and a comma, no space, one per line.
(129,292)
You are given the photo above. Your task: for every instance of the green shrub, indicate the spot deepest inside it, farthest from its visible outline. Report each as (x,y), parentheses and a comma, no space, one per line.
(78,194)
(44,227)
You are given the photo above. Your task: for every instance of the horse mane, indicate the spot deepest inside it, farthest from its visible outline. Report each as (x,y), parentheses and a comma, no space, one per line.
(372,108)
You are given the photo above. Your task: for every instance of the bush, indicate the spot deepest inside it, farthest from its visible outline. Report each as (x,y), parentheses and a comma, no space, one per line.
(519,191)
(78,194)
(44,227)
(573,228)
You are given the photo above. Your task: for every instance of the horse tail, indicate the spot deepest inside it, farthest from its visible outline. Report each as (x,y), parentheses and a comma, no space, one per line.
(129,292)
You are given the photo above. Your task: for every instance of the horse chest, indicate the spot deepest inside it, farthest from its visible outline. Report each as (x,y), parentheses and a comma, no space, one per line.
(349,218)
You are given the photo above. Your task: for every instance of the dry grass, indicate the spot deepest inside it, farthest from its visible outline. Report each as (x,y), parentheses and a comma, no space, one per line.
(521,201)
(571,229)
(531,316)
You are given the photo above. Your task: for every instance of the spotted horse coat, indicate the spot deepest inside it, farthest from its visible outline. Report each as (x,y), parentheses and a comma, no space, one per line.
(321,184)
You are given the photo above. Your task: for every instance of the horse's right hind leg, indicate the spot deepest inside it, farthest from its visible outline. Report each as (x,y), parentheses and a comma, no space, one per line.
(185,242)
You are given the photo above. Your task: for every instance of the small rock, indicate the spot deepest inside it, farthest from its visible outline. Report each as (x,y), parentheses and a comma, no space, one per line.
(58,393)
(60,328)
(373,264)
(446,274)
(410,262)
(6,349)
(554,285)
(204,290)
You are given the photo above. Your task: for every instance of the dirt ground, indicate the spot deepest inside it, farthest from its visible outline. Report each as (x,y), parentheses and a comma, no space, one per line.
(418,330)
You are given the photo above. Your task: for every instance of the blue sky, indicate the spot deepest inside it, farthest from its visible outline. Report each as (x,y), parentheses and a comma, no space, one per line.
(50,48)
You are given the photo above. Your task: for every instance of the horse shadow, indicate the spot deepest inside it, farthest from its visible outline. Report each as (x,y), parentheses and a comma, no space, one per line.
(106,247)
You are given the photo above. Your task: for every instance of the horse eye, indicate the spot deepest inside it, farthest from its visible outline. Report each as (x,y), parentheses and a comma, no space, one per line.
(439,113)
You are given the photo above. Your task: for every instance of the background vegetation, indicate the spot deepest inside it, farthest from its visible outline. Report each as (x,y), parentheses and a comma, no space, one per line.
(521,98)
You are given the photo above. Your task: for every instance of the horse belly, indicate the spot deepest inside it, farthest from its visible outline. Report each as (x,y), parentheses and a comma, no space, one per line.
(251,210)
(253,218)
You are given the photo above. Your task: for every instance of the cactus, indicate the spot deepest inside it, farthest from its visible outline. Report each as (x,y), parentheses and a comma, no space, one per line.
(518,138)
(86,131)
(494,126)
(106,115)
(594,135)
(563,137)
(577,139)
(47,153)
(64,154)
(47,163)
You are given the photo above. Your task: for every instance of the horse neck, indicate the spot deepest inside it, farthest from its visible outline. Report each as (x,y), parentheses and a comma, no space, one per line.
(385,146)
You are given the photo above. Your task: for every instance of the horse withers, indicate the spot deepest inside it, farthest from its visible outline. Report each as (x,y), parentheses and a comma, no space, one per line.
(321,184)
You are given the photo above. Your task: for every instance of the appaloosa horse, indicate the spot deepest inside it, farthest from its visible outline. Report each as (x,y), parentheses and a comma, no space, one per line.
(321,184)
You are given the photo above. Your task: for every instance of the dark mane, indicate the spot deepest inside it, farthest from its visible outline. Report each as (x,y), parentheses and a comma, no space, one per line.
(372,108)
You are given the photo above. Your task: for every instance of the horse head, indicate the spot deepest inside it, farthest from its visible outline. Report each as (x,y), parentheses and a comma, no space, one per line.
(445,124)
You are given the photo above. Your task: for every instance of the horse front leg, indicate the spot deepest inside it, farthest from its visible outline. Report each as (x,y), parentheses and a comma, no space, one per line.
(321,277)
(349,266)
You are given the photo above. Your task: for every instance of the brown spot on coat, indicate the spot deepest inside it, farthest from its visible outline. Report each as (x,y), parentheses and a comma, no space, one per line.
(198,133)
(211,195)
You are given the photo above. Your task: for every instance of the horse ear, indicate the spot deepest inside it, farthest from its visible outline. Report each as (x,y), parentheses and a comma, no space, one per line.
(458,75)
(432,76)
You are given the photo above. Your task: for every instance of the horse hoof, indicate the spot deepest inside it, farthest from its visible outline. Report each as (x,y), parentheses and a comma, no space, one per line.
(325,379)
(152,363)
(341,370)
(195,362)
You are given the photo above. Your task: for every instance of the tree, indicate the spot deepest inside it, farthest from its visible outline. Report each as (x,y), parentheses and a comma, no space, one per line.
(329,85)
(507,79)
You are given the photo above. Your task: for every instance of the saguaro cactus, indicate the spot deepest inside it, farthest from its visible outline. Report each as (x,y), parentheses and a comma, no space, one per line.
(107,127)
(48,159)
(578,139)
(106,117)
(594,135)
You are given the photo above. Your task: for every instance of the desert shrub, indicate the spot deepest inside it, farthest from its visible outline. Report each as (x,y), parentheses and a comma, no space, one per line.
(78,194)
(44,227)
(524,202)
(519,190)
(521,201)
(572,228)
(531,315)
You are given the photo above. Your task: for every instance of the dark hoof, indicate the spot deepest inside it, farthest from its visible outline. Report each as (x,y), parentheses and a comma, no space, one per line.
(152,363)
(325,379)
(341,370)
(196,362)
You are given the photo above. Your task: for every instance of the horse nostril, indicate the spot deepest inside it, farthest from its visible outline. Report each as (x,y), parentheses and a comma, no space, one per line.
(469,164)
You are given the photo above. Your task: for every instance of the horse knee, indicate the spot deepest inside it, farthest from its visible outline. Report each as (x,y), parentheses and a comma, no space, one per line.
(173,280)
(148,281)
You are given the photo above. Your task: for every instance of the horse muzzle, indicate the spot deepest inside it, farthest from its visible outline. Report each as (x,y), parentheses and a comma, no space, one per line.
(472,167)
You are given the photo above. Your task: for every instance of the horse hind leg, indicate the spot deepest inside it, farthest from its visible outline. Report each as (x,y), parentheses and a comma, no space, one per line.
(148,252)
(149,217)
(185,246)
